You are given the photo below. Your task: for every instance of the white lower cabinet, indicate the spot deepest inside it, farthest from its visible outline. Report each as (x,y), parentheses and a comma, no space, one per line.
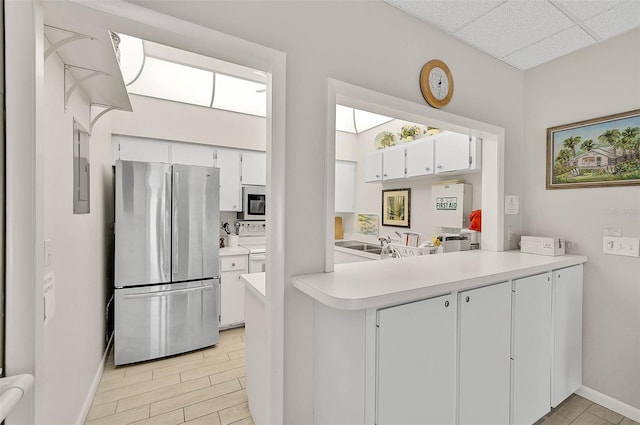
(232,289)
(484,348)
(566,371)
(416,363)
(499,354)
(531,377)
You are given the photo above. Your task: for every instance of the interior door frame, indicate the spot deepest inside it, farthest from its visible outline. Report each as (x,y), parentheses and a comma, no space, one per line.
(24,50)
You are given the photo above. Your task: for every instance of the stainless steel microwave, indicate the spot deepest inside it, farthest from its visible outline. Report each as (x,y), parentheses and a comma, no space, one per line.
(254,200)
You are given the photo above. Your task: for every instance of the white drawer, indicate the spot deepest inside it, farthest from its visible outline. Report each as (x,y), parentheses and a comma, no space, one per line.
(236,262)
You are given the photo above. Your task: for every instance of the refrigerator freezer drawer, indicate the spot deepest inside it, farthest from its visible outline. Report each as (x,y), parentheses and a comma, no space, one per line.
(163,320)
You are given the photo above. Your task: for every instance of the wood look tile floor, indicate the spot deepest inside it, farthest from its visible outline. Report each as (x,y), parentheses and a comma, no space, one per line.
(204,387)
(577,410)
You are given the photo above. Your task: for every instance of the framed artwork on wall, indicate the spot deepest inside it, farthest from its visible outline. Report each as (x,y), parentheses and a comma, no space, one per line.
(396,207)
(598,152)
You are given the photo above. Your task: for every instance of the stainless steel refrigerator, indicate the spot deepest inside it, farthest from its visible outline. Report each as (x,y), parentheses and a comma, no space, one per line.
(167,277)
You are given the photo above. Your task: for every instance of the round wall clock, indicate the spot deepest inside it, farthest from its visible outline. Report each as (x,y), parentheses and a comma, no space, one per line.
(436,83)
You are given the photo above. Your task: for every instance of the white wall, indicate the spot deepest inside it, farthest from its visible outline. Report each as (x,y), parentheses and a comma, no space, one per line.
(347,146)
(161,119)
(597,81)
(74,339)
(344,40)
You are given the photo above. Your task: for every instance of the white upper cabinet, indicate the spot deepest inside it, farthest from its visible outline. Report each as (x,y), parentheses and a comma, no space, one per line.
(393,163)
(373,166)
(385,164)
(140,149)
(345,186)
(193,154)
(456,152)
(445,152)
(254,168)
(419,157)
(228,161)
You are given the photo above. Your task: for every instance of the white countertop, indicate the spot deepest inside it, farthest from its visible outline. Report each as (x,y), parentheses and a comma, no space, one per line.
(372,284)
(255,283)
(236,250)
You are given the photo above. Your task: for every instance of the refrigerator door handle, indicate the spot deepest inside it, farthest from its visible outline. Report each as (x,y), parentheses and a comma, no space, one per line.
(166,229)
(175,240)
(167,293)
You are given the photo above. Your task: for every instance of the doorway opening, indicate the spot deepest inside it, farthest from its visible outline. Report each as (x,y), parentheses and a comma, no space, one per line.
(487,182)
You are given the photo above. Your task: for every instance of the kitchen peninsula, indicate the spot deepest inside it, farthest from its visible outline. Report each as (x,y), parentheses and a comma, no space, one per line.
(463,337)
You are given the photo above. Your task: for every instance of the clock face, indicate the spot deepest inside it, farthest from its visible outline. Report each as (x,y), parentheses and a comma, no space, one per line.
(438,83)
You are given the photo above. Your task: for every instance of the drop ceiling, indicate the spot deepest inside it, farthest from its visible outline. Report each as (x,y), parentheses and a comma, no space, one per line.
(527,33)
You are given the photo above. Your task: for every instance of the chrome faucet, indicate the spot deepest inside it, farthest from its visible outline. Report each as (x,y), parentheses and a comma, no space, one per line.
(387,250)
(383,240)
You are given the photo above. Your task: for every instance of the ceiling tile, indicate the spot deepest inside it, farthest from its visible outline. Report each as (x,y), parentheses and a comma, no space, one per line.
(557,45)
(617,20)
(585,9)
(514,25)
(448,15)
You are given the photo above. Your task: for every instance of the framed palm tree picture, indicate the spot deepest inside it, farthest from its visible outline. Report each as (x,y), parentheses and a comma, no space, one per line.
(396,207)
(594,153)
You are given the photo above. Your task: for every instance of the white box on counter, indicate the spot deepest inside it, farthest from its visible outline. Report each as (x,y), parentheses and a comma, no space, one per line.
(542,246)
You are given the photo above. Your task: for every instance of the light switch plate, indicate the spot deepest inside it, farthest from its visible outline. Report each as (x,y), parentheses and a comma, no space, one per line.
(511,204)
(48,251)
(627,247)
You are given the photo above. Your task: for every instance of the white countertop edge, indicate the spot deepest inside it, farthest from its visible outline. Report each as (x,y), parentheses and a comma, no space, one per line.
(359,253)
(256,284)
(328,289)
(235,250)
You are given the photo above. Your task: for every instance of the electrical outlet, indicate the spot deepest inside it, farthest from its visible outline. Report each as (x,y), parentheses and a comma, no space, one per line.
(628,247)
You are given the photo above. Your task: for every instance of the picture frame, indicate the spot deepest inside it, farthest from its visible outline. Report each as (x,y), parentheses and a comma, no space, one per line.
(598,152)
(396,207)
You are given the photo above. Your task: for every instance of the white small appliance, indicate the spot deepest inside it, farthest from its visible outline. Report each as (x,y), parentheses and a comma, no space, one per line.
(542,246)
(254,203)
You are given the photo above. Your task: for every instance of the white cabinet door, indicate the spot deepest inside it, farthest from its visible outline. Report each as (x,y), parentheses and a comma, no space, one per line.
(416,363)
(143,150)
(254,168)
(373,166)
(419,157)
(393,163)
(452,152)
(228,161)
(531,348)
(345,186)
(192,154)
(484,355)
(566,373)
(232,289)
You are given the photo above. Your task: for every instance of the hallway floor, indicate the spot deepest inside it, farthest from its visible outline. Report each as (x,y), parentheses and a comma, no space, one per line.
(578,410)
(201,387)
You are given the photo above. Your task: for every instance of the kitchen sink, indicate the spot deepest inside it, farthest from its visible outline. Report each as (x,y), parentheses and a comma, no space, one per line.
(360,246)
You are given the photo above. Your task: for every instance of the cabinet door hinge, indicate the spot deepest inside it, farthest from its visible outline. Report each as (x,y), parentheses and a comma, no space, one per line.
(470,160)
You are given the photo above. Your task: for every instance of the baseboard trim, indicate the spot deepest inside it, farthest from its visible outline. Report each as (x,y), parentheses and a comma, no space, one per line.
(610,403)
(82,417)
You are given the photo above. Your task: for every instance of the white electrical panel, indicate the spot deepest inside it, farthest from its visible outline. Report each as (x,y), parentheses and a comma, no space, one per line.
(451,205)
